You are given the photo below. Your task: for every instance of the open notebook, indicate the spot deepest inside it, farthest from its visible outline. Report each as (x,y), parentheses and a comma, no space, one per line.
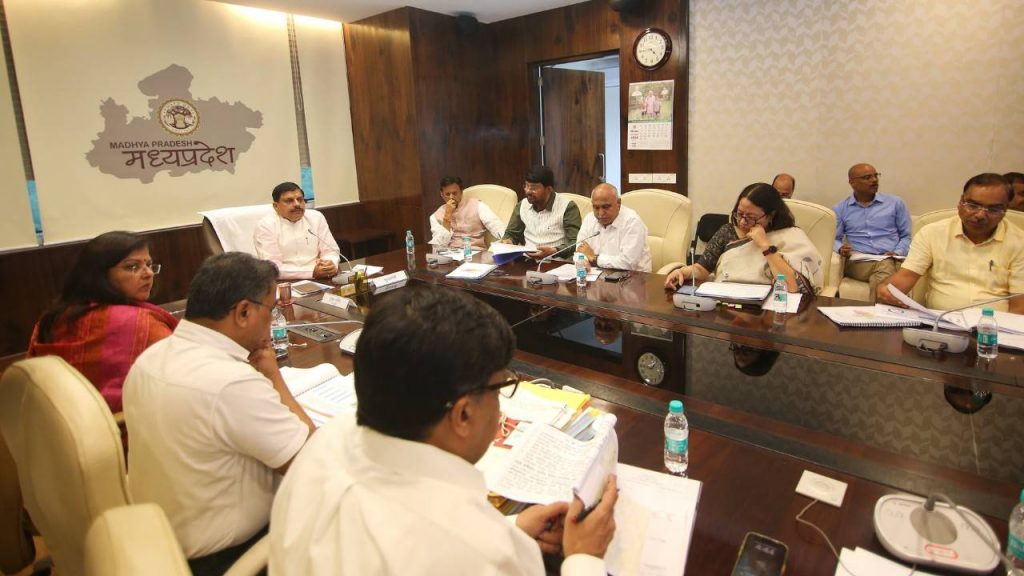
(321,391)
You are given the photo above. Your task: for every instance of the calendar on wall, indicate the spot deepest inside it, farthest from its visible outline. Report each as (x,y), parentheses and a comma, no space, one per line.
(649,124)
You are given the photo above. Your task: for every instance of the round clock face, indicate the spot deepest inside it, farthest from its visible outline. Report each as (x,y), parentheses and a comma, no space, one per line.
(651,369)
(652,48)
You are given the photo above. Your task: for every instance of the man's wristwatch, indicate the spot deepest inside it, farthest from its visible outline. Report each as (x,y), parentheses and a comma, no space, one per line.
(770,250)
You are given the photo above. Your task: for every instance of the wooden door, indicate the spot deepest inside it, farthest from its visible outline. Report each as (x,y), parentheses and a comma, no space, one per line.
(573,108)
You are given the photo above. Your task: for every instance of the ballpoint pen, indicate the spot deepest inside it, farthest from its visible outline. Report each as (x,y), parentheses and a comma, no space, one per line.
(586,509)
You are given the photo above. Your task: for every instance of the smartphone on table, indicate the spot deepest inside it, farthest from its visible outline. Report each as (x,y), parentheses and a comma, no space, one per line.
(760,556)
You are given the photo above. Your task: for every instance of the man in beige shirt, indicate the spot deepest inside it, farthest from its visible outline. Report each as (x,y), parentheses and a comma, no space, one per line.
(970,258)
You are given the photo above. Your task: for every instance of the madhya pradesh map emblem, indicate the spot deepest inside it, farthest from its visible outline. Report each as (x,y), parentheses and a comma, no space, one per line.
(179,117)
(180,134)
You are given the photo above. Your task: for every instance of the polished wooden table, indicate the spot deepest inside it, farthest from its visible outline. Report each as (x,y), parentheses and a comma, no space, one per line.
(749,465)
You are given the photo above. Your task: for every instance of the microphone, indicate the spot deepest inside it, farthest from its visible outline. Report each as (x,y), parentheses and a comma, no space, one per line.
(691,301)
(341,277)
(934,341)
(539,277)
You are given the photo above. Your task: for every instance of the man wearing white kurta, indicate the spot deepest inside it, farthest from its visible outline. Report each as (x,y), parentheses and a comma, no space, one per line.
(210,418)
(459,217)
(393,490)
(622,242)
(297,240)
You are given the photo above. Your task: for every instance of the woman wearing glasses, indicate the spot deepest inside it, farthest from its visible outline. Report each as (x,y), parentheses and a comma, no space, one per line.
(102,322)
(760,241)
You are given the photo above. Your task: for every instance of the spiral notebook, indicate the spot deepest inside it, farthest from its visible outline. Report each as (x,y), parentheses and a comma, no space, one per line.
(868,316)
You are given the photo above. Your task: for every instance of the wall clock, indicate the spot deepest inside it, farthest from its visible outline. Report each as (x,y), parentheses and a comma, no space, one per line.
(652,48)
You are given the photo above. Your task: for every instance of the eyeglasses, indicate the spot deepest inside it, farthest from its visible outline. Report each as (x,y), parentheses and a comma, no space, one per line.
(748,218)
(868,177)
(532,186)
(506,388)
(990,210)
(136,267)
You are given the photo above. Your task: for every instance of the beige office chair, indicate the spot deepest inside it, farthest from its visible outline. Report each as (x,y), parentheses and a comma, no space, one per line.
(139,539)
(582,202)
(667,216)
(17,550)
(819,223)
(130,540)
(67,448)
(501,200)
(231,229)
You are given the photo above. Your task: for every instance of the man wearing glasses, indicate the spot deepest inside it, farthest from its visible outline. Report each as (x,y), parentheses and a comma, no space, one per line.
(872,229)
(972,257)
(393,490)
(544,218)
(210,419)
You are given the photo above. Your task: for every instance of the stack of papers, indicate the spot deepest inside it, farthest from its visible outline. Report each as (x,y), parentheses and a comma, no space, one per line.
(368,270)
(504,253)
(735,292)
(862,257)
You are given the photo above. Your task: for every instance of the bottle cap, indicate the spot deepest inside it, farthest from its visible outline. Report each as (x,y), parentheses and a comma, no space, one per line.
(780,277)
(1022,496)
(987,312)
(675,406)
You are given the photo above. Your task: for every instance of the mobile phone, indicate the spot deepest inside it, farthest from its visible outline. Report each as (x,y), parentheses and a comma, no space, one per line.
(615,276)
(760,556)
(686,289)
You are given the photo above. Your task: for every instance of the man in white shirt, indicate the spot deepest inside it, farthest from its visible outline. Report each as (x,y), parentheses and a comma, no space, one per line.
(543,218)
(622,242)
(211,421)
(393,490)
(297,240)
(457,218)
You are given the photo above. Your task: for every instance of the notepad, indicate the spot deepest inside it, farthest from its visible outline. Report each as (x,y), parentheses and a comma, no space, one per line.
(862,257)
(867,317)
(504,253)
(321,391)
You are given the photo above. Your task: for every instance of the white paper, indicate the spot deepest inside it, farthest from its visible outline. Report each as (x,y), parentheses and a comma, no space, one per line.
(369,270)
(861,562)
(548,464)
(388,279)
(471,271)
(862,257)
(1008,323)
(654,519)
(321,391)
(567,272)
(734,290)
(953,321)
(502,248)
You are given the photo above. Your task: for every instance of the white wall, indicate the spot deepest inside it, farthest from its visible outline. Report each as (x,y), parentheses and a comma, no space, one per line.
(931,92)
(72,55)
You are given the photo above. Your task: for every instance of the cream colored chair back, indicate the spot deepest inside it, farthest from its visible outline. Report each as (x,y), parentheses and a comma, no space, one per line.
(501,200)
(68,451)
(918,222)
(582,202)
(667,216)
(231,229)
(819,223)
(1015,217)
(131,540)
(16,547)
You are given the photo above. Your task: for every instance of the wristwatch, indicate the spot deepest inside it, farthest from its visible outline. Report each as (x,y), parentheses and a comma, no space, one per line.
(770,250)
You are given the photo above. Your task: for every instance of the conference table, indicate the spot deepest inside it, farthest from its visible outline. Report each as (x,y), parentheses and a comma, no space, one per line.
(856,405)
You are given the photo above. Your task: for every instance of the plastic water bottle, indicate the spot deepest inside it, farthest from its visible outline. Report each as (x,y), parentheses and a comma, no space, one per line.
(988,335)
(780,298)
(677,439)
(581,268)
(1015,545)
(279,333)
(410,243)
(467,248)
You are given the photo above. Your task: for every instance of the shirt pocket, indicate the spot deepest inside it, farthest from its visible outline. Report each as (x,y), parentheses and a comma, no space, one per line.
(997,277)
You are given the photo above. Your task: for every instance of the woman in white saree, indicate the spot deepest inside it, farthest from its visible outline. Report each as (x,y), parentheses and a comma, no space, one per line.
(760,241)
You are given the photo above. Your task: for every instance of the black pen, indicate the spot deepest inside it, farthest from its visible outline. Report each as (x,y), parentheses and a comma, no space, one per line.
(991,263)
(586,509)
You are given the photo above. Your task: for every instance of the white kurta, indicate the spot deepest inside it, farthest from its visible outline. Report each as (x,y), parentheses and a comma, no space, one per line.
(359,502)
(207,431)
(295,246)
(471,218)
(622,244)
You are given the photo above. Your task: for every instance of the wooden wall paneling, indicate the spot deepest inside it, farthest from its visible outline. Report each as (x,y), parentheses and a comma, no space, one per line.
(384,124)
(672,16)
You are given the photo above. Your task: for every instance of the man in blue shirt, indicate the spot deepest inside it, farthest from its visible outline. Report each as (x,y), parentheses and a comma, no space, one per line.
(873,229)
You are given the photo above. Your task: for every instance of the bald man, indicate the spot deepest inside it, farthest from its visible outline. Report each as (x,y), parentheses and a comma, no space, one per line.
(622,242)
(873,229)
(785,184)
